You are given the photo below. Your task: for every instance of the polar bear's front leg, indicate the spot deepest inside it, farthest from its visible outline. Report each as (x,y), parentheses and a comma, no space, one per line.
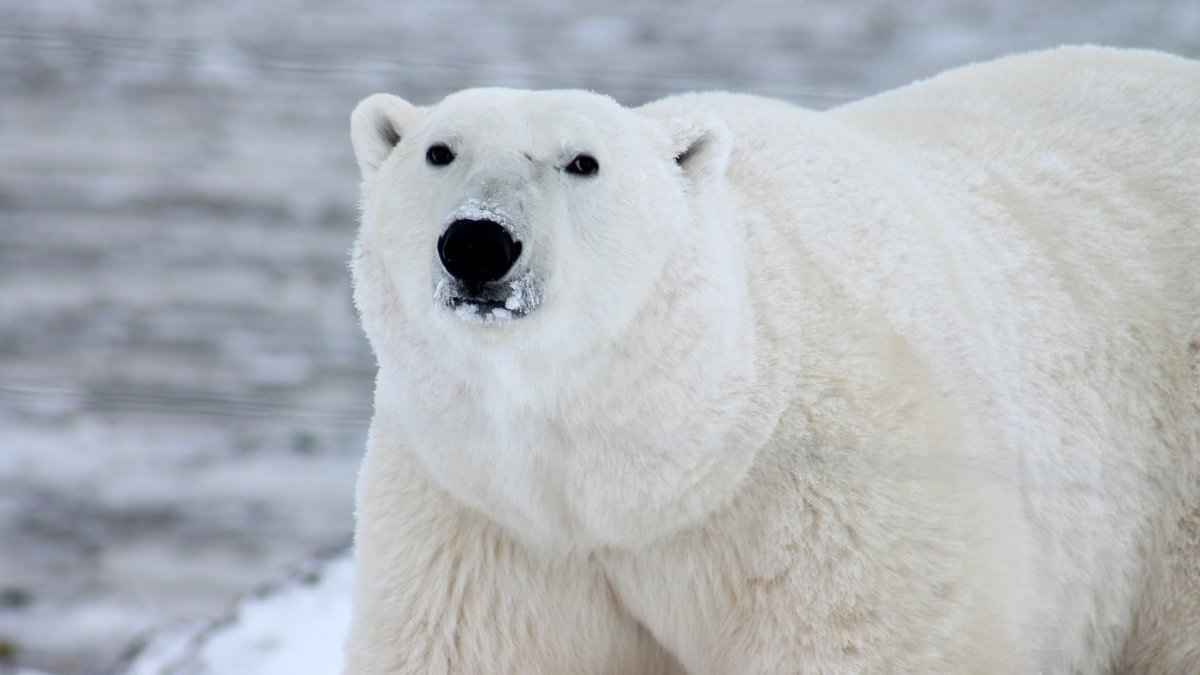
(441,590)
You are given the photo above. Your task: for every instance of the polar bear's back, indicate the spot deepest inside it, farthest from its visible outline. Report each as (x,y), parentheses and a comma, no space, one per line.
(1031,226)
(1119,126)
(1078,168)
(1074,180)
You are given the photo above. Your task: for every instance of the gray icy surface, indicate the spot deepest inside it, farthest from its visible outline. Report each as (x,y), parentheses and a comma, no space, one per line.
(183,386)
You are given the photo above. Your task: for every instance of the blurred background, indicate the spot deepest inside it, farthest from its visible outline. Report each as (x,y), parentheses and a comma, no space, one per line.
(184,389)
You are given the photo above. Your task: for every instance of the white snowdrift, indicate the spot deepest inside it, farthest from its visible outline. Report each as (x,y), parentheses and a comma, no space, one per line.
(294,627)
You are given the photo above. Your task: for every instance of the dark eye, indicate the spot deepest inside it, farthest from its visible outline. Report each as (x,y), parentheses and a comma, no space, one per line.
(583,165)
(439,154)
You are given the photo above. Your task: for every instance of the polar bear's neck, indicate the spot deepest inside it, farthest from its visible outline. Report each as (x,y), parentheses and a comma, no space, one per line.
(632,441)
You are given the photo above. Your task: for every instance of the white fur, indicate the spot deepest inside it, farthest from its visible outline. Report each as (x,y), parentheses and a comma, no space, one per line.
(912,385)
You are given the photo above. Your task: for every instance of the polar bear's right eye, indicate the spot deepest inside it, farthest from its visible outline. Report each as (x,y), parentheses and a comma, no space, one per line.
(583,165)
(439,154)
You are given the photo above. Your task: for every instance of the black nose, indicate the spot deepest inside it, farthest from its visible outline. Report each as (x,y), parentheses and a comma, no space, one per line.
(477,251)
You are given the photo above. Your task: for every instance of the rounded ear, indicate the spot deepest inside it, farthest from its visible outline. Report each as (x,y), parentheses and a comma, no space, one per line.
(377,124)
(700,144)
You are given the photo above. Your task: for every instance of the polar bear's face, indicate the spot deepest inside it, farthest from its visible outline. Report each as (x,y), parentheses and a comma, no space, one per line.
(510,275)
(498,208)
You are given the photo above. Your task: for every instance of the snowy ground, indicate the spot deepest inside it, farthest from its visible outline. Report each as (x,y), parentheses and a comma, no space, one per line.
(296,626)
(183,387)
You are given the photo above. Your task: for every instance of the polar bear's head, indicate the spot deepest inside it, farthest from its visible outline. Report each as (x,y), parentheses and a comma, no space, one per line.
(504,213)
(539,274)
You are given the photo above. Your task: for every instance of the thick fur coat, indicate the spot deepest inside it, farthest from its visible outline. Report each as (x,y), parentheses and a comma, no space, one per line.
(910,385)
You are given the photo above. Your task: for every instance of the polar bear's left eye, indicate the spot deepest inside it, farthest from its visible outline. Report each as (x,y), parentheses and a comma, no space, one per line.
(439,154)
(583,165)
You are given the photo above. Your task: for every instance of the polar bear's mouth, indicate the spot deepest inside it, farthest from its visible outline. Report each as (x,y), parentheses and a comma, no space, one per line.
(497,301)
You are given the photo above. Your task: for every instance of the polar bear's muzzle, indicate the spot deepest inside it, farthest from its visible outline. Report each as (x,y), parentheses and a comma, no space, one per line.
(478,256)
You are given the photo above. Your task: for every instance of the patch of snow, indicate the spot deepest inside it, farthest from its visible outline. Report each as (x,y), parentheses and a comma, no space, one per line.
(296,627)
(481,314)
(468,312)
(526,294)
(475,209)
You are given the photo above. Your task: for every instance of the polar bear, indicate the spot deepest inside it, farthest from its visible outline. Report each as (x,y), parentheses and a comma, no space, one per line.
(720,385)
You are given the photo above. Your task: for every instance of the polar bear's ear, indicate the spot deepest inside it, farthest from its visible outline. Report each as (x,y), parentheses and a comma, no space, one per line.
(700,145)
(377,124)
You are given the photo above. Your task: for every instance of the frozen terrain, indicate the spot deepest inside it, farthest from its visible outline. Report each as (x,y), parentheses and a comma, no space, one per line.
(296,626)
(184,390)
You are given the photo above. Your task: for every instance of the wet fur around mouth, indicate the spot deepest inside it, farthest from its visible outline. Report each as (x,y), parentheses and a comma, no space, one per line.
(511,299)
(483,304)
